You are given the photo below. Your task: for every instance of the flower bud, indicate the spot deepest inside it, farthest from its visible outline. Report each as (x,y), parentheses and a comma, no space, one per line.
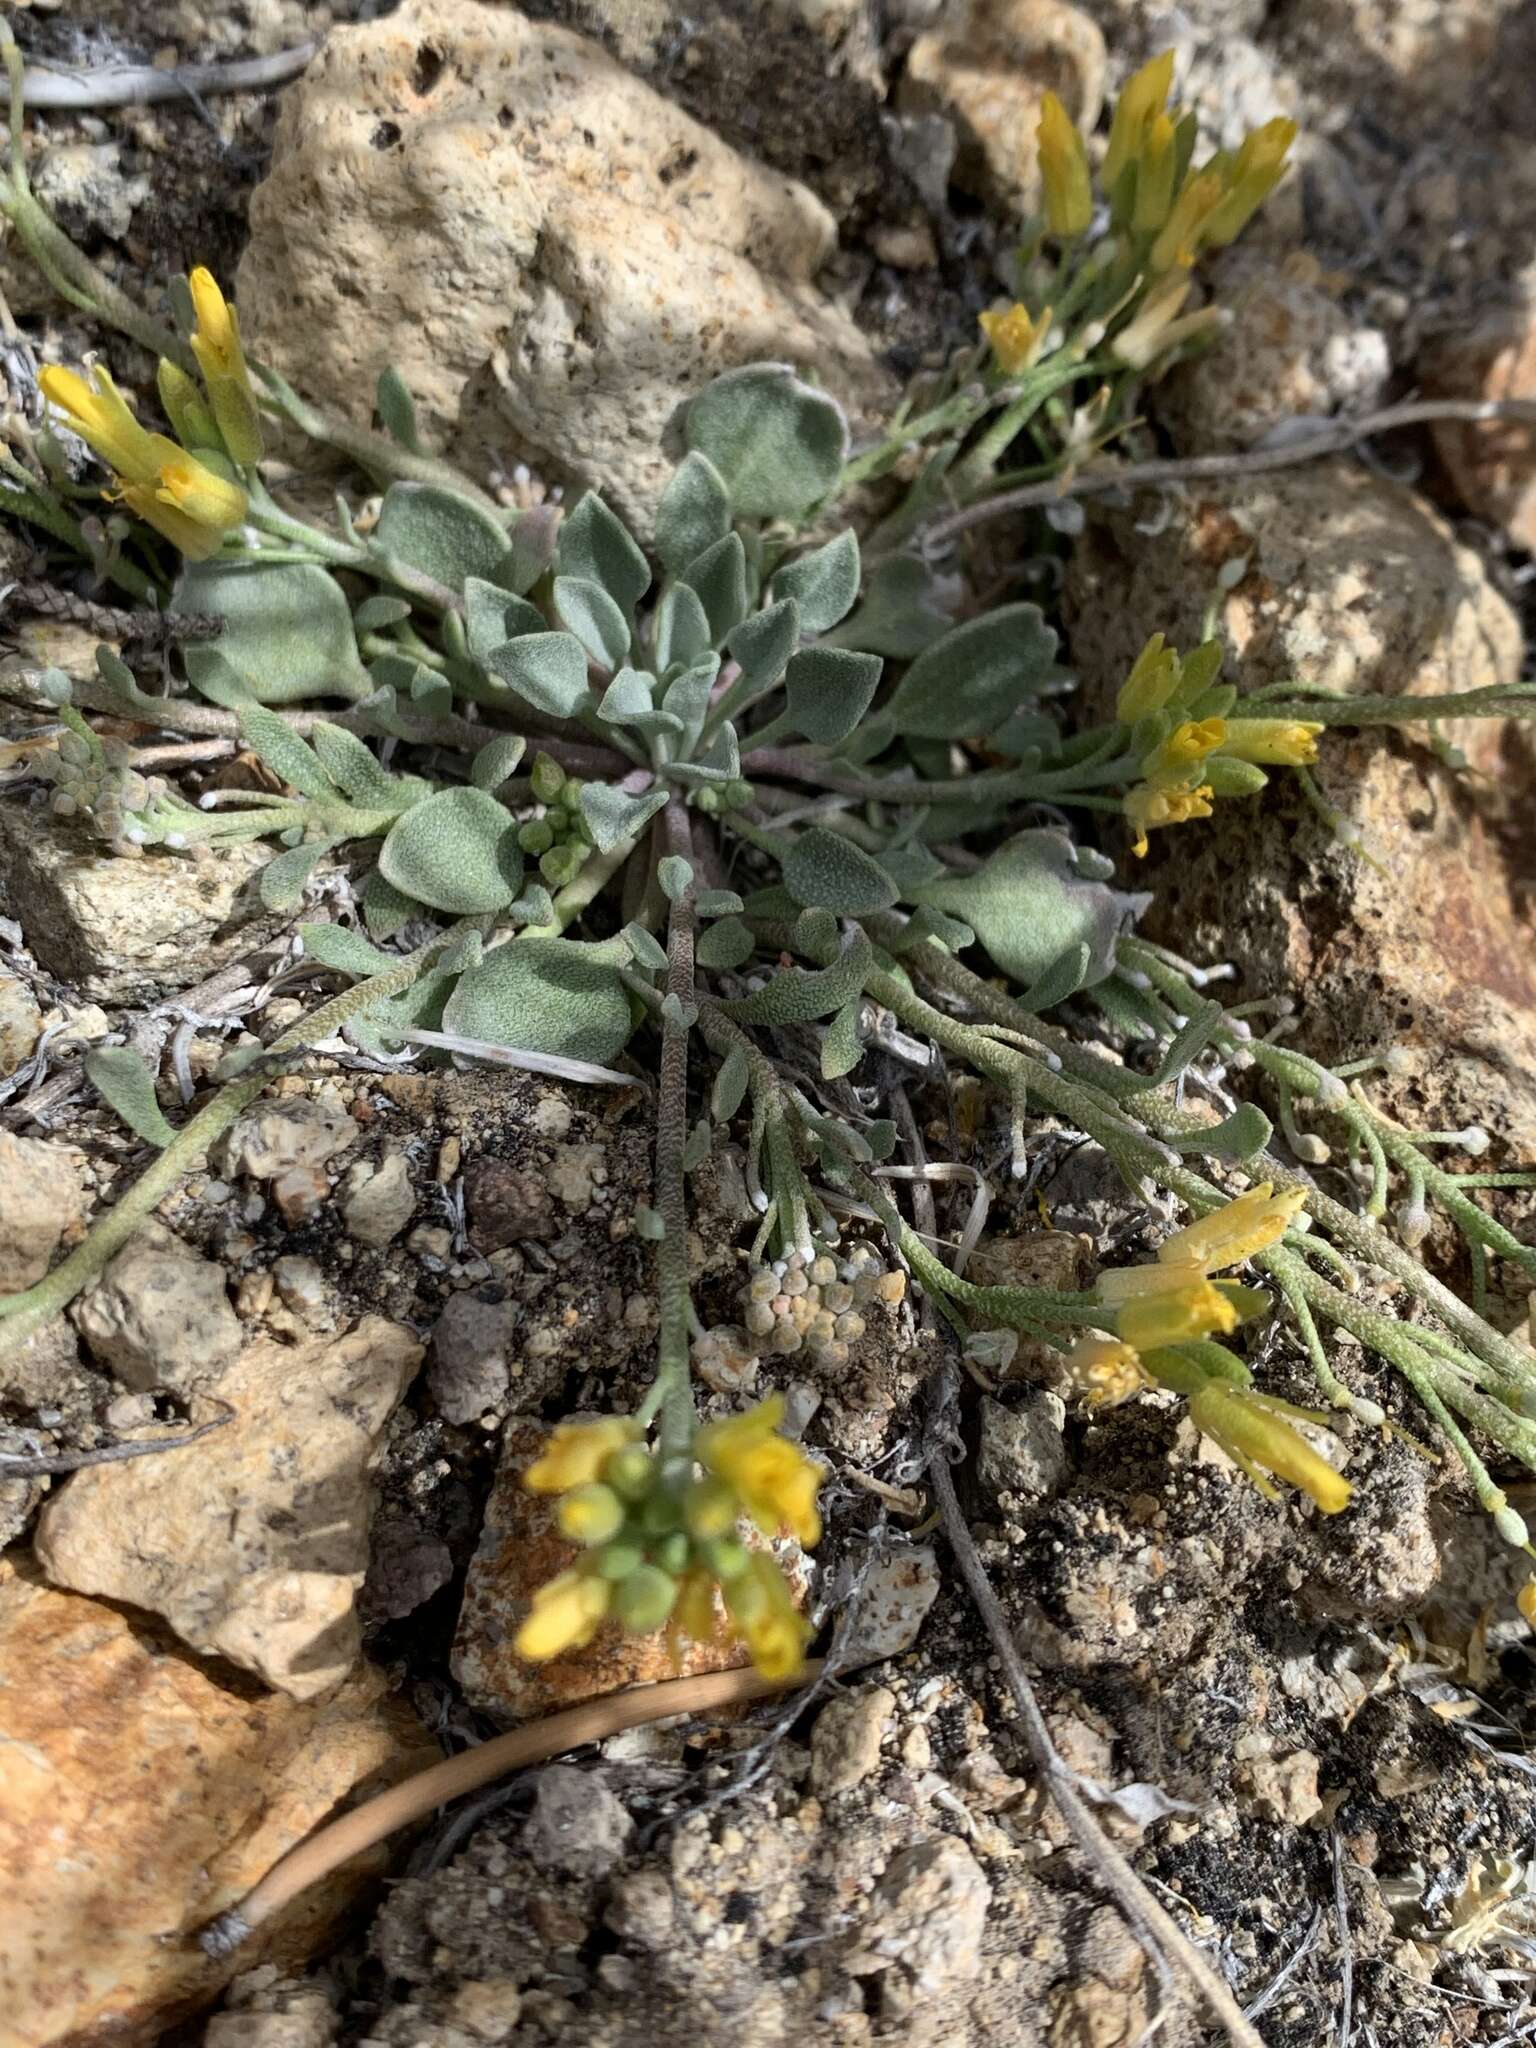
(645,1599)
(590,1515)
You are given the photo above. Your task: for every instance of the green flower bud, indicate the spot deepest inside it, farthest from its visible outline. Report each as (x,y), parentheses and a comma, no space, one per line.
(727,1557)
(547,777)
(645,1599)
(672,1552)
(562,864)
(1232,778)
(186,408)
(736,794)
(660,1514)
(630,1472)
(708,800)
(710,1509)
(590,1515)
(617,1560)
(536,837)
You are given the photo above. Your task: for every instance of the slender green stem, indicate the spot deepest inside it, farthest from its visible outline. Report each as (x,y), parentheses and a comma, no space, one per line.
(671,1199)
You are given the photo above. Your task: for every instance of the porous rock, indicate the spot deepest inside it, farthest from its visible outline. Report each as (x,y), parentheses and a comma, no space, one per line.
(381,1201)
(985,65)
(923,1933)
(845,1743)
(40,1203)
(1492,463)
(21,1022)
(894,1601)
(473,1349)
(1021,1455)
(159,1316)
(253,1547)
(577,1827)
(145,1795)
(283,1136)
(121,930)
(536,240)
(1352,584)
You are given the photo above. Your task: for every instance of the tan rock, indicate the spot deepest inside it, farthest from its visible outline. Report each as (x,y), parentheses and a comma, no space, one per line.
(519,1550)
(379,1201)
(143,1797)
(1291,350)
(278,1136)
(253,1550)
(21,1022)
(40,1205)
(1493,465)
(985,65)
(160,1316)
(845,1743)
(1353,584)
(538,241)
(121,929)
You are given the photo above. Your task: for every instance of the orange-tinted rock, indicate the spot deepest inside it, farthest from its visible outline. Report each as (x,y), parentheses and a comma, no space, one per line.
(144,1795)
(1492,463)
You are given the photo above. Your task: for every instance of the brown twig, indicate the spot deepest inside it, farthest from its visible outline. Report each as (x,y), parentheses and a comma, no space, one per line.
(1332,439)
(415,1797)
(49,86)
(22,1465)
(1153,1925)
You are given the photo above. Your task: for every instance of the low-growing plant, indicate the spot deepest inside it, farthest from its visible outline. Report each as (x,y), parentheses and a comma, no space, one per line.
(737,787)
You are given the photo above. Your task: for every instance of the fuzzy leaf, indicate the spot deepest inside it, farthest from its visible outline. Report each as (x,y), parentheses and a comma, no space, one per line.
(456,851)
(680,631)
(534,906)
(397,409)
(595,543)
(674,874)
(763,644)
(123,1081)
(544,995)
(798,995)
(727,944)
(376,1029)
(547,670)
(717,902)
(496,760)
(281,882)
(730,1087)
(386,908)
(282,750)
(380,610)
(825,871)
(613,816)
(347,951)
(841,1046)
(533,537)
(829,689)
(719,577)
(492,616)
(645,948)
(628,701)
(688,696)
(695,512)
(287,629)
(1237,1137)
(446,536)
(824,583)
(778,444)
(1030,908)
(697,1149)
(354,768)
(585,609)
(900,615)
(968,682)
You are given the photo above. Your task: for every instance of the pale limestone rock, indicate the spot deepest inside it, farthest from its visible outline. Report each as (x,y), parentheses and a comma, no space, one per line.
(1353,584)
(118,929)
(379,1201)
(255,1548)
(21,1022)
(922,1935)
(547,250)
(893,1604)
(845,1743)
(985,65)
(1022,1456)
(40,1204)
(282,1136)
(143,1798)
(160,1316)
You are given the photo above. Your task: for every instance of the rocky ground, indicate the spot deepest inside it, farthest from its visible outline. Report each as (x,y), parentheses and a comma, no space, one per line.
(1311,1736)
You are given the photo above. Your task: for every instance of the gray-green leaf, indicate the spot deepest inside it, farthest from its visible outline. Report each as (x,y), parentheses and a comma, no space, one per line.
(628,701)
(612,816)
(674,874)
(456,851)
(123,1081)
(970,681)
(496,760)
(730,1085)
(596,544)
(282,750)
(695,512)
(829,689)
(544,995)
(727,944)
(900,615)
(778,444)
(446,536)
(492,616)
(761,646)
(719,576)
(386,908)
(397,409)
(585,609)
(824,583)
(347,951)
(841,1046)
(282,880)
(825,871)
(646,948)
(355,770)
(287,629)
(680,631)
(547,670)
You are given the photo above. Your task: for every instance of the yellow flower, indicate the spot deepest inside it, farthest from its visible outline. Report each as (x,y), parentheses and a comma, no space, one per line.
(1105,1372)
(1233,1233)
(1252,176)
(1279,742)
(590,1515)
(1252,1430)
(1158,1305)
(1169,765)
(1525,1600)
(1063,170)
(1156,329)
(216,345)
(1151,682)
(102,419)
(1155,169)
(1016,338)
(576,1453)
(1140,103)
(1147,808)
(1179,243)
(772,1478)
(763,1612)
(185,407)
(565,1616)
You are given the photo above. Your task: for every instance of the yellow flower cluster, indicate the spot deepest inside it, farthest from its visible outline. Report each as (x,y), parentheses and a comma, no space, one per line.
(1201,752)
(191,498)
(1174,1303)
(661,1535)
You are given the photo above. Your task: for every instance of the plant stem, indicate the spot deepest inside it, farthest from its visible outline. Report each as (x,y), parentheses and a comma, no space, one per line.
(672,1276)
